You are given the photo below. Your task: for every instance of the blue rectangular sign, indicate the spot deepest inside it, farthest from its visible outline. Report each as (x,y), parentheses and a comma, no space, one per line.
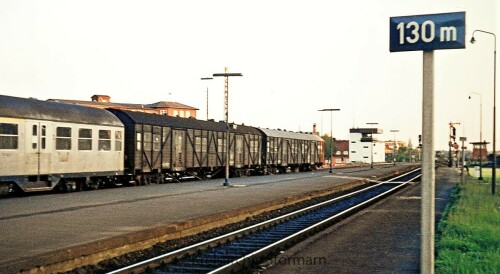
(427,32)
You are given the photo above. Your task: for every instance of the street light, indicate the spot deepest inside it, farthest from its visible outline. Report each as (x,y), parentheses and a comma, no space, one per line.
(394,147)
(226,117)
(331,110)
(372,144)
(207,78)
(494,164)
(480,134)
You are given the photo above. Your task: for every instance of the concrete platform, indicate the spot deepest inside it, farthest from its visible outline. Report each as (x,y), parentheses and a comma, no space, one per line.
(385,238)
(41,229)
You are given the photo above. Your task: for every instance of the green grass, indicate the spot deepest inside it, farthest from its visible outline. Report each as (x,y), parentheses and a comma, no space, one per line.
(487,174)
(469,234)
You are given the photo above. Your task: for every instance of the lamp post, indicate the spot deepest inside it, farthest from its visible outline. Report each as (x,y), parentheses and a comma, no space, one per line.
(494,165)
(226,75)
(480,134)
(371,145)
(394,147)
(207,78)
(331,110)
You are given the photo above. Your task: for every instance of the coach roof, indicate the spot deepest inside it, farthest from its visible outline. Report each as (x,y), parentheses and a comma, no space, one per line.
(178,122)
(23,108)
(290,134)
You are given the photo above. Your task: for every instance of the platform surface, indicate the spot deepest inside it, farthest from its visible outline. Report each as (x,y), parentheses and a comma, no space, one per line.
(37,225)
(384,238)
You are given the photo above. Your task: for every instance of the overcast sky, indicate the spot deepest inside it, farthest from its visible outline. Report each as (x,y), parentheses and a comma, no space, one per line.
(296,57)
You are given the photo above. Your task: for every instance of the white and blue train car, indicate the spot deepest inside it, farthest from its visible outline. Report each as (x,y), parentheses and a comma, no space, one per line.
(46,145)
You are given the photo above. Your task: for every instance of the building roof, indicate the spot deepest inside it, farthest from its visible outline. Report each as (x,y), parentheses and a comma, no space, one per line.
(366,130)
(290,134)
(16,107)
(161,104)
(165,104)
(134,117)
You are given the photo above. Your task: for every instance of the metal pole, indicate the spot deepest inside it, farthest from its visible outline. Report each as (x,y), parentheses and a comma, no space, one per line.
(494,162)
(331,110)
(428,173)
(207,78)
(394,151)
(463,139)
(226,75)
(331,144)
(481,138)
(371,162)
(226,117)
(372,143)
(494,166)
(394,147)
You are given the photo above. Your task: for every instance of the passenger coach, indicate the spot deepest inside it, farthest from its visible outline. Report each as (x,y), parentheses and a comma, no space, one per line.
(44,145)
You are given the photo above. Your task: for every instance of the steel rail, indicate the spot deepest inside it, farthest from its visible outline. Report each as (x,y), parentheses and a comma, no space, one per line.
(212,242)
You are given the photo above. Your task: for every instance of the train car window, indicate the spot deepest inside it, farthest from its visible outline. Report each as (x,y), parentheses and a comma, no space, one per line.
(44,136)
(8,136)
(220,142)
(63,138)
(156,142)
(204,144)
(139,140)
(118,140)
(84,139)
(147,141)
(34,140)
(104,140)
(197,144)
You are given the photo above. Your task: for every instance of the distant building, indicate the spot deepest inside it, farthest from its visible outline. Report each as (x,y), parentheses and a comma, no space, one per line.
(341,151)
(363,146)
(389,146)
(479,151)
(161,108)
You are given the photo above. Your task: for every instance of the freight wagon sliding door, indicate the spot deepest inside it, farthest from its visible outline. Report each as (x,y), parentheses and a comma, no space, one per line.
(178,150)
(239,161)
(166,148)
(149,142)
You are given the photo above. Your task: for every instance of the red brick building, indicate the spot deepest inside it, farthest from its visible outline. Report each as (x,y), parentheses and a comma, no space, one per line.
(161,108)
(341,151)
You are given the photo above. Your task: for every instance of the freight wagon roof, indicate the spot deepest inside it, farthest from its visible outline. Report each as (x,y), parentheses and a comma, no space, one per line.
(178,122)
(290,134)
(24,108)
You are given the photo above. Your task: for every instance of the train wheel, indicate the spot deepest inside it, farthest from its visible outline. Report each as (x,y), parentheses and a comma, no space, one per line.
(68,186)
(93,184)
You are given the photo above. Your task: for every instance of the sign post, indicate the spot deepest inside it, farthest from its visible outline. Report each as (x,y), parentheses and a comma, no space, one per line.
(427,33)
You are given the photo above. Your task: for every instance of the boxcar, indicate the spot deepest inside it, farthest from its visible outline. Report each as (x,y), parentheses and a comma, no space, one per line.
(44,145)
(285,150)
(162,148)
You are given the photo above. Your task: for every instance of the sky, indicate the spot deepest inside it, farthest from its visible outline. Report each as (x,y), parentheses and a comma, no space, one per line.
(296,57)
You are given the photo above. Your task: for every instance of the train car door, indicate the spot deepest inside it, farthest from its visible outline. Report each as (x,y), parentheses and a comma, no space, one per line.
(178,150)
(39,153)
(239,151)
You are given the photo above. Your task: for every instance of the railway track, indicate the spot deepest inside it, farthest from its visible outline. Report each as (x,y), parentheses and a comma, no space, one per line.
(245,247)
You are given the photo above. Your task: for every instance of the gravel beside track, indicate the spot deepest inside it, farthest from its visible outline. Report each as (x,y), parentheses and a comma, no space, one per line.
(385,238)
(46,232)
